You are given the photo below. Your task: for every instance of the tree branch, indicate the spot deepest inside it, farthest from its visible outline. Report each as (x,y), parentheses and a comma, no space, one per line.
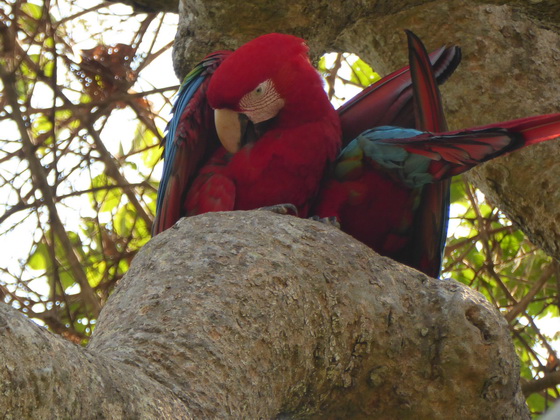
(520,306)
(41,183)
(550,380)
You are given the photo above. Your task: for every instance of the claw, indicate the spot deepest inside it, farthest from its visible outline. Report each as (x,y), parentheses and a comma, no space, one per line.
(331,221)
(285,208)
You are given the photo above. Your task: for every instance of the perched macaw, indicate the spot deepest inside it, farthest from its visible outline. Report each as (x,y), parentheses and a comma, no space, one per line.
(390,185)
(251,128)
(297,135)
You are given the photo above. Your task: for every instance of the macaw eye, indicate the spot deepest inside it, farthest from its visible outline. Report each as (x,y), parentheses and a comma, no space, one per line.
(263,88)
(262,103)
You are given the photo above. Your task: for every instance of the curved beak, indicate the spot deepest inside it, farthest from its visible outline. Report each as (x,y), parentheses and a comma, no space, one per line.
(231,127)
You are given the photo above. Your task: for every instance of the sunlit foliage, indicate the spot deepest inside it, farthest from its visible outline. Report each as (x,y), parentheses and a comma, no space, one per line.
(82,133)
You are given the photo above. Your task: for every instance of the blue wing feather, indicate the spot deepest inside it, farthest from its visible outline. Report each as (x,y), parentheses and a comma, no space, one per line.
(171,142)
(415,158)
(189,141)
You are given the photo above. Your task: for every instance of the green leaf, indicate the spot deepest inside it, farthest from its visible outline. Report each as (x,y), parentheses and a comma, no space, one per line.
(32,10)
(536,402)
(458,192)
(49,42)
(85,99)
(526,372)
(48,68)
(66,279)
(109,198)
(63,115)
(35,57)
(124,221)
(152,203)
(152,156)
(41,125)
(95,273)
(485,210)
(510,245)
(322,65)
(363,74)
(40,257)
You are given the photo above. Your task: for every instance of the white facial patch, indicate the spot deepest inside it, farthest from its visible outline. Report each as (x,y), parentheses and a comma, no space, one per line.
(262,103)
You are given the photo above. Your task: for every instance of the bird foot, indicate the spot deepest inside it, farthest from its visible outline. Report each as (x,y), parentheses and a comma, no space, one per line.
(285,208)
(331,221)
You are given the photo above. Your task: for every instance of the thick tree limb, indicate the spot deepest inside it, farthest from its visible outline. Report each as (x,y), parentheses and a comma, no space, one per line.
(43,376)
(256,315)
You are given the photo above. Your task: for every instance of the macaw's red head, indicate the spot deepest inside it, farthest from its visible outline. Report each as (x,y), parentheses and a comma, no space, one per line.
(269,77)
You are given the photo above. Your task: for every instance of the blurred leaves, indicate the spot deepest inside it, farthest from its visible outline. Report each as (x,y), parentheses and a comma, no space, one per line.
(346,73)
(485,251)
(105,70)
(82,139)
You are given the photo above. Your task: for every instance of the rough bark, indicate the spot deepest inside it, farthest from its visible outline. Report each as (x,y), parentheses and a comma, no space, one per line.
(255,315)
(509,70)
(43,376)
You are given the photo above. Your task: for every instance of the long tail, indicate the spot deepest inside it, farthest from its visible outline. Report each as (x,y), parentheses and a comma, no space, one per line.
(446,154)
(533,129)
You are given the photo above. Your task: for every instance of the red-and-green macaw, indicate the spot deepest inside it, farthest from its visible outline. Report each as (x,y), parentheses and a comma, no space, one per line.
(251,128)
(410,223)
(296,127)
(390,185)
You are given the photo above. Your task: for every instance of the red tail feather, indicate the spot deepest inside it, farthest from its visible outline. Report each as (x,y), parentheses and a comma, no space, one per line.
(533,129)
(429,228)
(536,129)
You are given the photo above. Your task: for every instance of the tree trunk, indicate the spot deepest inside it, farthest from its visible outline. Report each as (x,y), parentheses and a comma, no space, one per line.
(510,70)
(256,315)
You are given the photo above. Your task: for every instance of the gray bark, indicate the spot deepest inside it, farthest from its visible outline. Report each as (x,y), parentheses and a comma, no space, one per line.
(510,70)
(255,315)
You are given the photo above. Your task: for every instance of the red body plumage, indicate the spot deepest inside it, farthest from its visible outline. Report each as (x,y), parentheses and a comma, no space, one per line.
(288,161)
(294,133)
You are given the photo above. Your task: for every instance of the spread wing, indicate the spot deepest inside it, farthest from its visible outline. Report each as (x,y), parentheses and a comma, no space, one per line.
(389,100)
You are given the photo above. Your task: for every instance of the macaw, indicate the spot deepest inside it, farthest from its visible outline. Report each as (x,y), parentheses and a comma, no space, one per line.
(390,185)
(406,98)
(251,128)
(202,174)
